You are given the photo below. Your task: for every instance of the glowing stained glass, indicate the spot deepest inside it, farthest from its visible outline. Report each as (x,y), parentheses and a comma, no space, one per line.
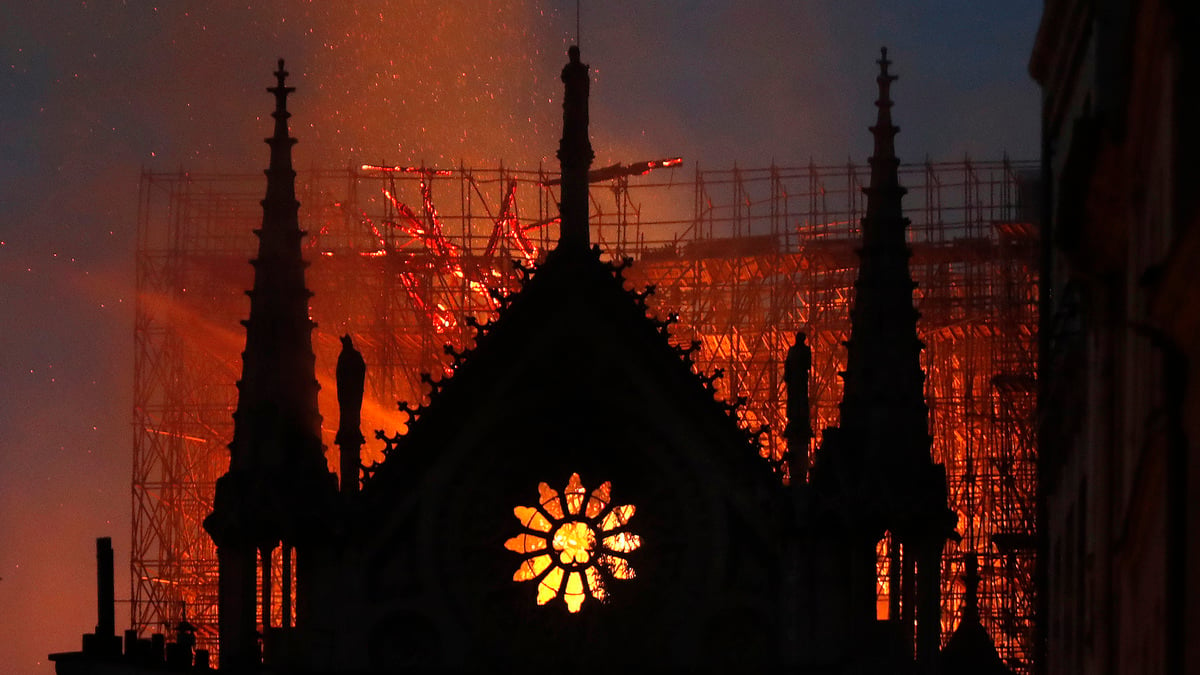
(531,518)
(525,543)
(623,542)
(618,567)
(595,583)
(548,587)
(599,499)
(531,568)
(562,544)
(576,541)
(573,595)
(575,494)
(550,501)
(617,517)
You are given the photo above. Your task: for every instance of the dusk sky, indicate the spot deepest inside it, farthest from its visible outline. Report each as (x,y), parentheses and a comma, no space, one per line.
(92,93)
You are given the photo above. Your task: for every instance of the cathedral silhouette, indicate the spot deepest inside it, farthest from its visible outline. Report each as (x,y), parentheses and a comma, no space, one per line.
(574,495)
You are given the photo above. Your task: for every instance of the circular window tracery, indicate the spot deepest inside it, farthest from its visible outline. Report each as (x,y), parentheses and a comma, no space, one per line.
(574,543)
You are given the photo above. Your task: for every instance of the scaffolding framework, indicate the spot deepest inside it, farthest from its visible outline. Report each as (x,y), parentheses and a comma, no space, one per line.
(745,257)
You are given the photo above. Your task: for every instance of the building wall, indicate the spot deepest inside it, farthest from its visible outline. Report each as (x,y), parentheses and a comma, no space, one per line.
(1119,338)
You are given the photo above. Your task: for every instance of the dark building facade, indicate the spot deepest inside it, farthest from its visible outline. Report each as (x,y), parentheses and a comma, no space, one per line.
(572,491)
(1120,340)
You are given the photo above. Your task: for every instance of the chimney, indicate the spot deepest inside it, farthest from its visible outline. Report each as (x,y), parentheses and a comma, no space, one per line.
(105,604)
(104,642)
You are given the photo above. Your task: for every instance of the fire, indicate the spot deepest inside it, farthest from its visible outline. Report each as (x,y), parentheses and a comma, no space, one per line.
(404,290)
(405,169)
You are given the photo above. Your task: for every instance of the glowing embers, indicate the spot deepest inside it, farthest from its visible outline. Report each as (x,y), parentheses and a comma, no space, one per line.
(573,543)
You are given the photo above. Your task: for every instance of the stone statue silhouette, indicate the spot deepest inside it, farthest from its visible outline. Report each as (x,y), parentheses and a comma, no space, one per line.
(796,368)
(351,374)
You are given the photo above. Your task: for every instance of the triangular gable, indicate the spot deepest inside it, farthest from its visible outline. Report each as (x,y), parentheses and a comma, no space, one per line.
(573,382)
(573,329)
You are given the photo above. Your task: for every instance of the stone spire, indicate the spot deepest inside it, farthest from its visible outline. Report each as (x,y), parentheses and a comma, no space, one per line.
(575,155)
(277,421)
(885,191)
(875,468)
(278,482)
(884,399)
(884,418)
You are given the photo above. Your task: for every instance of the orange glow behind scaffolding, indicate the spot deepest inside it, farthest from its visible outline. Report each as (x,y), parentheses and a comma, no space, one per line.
(403,256)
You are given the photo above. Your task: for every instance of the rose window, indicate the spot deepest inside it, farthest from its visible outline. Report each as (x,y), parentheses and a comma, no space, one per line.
(573,544)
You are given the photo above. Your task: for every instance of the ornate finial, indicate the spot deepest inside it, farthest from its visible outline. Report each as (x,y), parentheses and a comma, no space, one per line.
(971,581)
(884,131)
(883,65)
(280,141)
(281,91)
(575,153)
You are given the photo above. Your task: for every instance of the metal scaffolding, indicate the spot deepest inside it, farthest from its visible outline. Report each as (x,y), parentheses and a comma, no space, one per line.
(746,257)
